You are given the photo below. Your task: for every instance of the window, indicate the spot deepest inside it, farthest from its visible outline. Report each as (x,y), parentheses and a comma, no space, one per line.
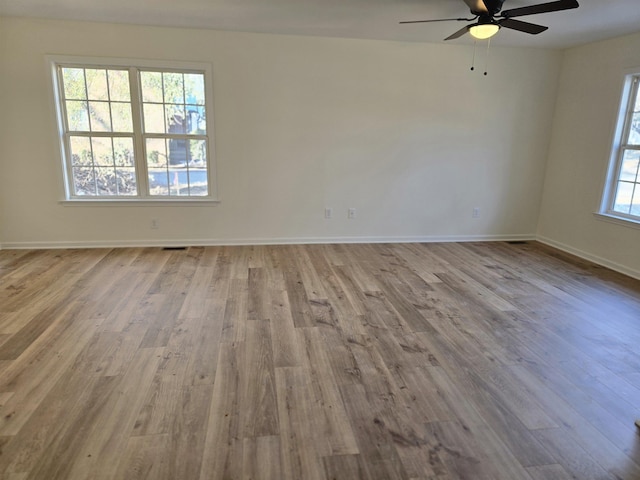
(622,193)
(134,131)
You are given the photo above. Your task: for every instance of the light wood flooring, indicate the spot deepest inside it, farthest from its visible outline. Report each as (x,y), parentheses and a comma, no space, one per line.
(481,361)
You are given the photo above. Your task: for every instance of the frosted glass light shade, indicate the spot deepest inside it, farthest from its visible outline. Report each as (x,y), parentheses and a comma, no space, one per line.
(483,31)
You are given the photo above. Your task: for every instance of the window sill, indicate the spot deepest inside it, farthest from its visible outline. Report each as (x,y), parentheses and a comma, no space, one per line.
(623,221)
(140,203)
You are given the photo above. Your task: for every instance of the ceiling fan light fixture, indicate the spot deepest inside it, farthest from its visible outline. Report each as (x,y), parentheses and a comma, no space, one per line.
(482,31)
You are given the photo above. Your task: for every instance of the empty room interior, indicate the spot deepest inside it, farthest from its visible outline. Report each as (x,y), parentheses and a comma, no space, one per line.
(390,239)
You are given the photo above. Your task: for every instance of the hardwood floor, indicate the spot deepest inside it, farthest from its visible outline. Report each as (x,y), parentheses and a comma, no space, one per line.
(414,361)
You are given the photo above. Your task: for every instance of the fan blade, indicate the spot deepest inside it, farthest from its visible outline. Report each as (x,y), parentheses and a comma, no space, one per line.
(540,8)
(459,33)
(441,20)
(525,27)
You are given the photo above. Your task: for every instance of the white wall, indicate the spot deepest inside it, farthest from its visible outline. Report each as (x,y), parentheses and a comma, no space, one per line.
(588,100)
(403,132)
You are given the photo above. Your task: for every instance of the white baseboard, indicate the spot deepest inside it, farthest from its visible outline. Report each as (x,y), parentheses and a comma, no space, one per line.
(263,241)
(631,272)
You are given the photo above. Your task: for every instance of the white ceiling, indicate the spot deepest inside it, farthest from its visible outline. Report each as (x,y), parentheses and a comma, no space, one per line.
(373,19)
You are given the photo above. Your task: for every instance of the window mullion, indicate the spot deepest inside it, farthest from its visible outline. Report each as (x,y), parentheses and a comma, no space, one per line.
(142,176)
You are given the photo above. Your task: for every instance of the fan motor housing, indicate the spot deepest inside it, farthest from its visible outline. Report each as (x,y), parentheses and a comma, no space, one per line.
(493,7)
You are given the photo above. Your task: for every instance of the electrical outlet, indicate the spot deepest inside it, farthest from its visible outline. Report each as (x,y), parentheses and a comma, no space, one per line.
(351,213)
(475,213)
(155,224)
(328,212)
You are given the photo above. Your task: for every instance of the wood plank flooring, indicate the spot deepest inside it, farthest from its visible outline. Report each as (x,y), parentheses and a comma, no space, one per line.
(413,361)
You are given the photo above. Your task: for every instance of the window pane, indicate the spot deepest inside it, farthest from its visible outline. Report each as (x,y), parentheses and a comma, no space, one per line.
(97,84)
(80,151)
(102,151)
(178,152)
(77,116)
(196,120)
(624,195)
(100,116)
(156,152)
(121,115)
(634,131)
(73,81)
(194,88)
(157,166)
(175,119)
(153,118)
(106,181)
(630,163)
(123,152)
(119,86)
(126,181)
(151,85)
(635,204)
(173,88)
(84,181)
(197,153)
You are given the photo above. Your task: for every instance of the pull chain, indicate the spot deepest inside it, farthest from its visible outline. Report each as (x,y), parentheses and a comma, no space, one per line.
(473,60)
(486,58)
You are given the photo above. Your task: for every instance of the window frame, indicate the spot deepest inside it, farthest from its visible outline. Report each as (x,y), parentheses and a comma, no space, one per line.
(134,67)
(630,90)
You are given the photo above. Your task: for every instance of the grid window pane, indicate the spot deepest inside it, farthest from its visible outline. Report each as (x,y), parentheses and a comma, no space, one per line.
(151,84)
(121,117)
(630,165)
(634,131)
(123,152)
(173,86)
(156,153)
(624,194)
(196,119)
(126,181)
(74,86)
(97,84)
(176,120)
(77,116)
(635,203)
(194,88)
(106,181)
(154,118)
(100,116)
(119,86)
(84,181)
(102,151)
(81,151)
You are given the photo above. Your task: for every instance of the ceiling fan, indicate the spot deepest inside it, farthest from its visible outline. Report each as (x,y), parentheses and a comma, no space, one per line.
(489,17)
